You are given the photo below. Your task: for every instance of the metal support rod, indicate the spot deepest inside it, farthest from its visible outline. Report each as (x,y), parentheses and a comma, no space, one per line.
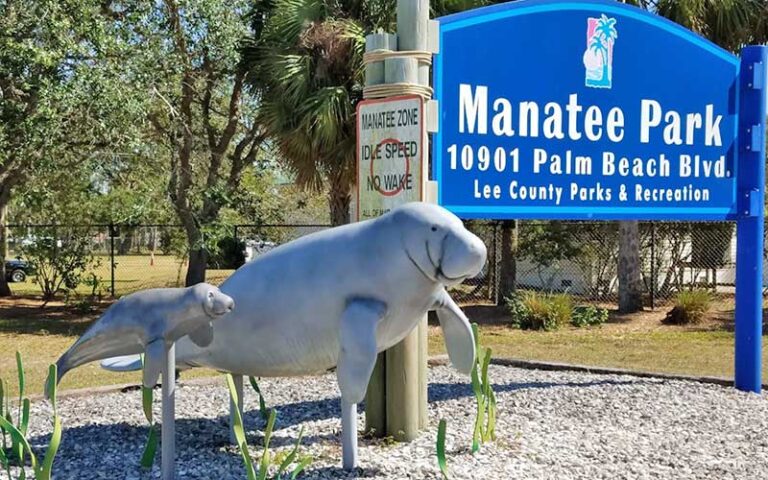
(238,381)
(349,435)
(168,427)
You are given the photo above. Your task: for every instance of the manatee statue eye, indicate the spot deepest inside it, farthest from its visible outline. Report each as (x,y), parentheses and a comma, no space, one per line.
(434,228)
(210,294)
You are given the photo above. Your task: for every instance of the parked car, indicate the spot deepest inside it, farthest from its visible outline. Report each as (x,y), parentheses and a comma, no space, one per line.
(16,270)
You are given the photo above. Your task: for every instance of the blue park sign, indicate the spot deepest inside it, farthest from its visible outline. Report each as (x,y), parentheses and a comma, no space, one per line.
(557,109)
(593,109)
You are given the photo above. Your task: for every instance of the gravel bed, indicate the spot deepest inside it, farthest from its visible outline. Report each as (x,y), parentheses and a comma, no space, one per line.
(551,425)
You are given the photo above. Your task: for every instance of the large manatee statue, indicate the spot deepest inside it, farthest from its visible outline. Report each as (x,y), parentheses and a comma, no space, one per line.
(337,298)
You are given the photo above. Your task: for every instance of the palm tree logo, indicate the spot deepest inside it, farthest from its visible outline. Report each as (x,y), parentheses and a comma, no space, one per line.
(598,58)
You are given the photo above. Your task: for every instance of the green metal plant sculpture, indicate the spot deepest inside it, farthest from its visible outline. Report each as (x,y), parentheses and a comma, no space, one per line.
(20,450)
(266,462)
(485,420)
(441,461)
(262,404)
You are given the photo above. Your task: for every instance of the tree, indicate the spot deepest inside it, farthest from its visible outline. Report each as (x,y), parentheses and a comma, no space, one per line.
(201,113)
(52,70)
(307,66)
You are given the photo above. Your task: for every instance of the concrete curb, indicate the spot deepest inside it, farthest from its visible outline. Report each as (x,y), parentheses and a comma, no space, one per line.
(561,367)
(437,360)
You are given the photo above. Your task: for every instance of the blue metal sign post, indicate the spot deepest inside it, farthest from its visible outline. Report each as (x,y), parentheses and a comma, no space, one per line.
(591,109)
(749,229)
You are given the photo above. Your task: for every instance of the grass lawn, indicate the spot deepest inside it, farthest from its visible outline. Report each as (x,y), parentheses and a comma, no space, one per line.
(132,273)
(636,341)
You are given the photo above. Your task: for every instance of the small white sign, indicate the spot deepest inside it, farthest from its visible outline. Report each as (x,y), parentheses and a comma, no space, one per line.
(390,154)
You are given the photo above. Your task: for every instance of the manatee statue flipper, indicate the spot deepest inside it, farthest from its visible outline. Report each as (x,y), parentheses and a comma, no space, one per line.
(358,347)
(356,361)
(457,332)
(123,363)
(154,357)
(203,336)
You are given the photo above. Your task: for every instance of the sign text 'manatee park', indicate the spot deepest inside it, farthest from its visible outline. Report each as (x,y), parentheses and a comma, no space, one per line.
(605,115)
(573,121)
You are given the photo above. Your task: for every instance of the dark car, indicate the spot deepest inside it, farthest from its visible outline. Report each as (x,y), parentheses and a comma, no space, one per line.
(17,270)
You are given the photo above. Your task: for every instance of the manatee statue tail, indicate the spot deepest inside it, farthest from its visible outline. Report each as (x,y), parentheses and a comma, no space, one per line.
(62,367)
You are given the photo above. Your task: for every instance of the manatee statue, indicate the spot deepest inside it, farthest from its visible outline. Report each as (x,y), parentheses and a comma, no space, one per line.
(338,297)
(144,322)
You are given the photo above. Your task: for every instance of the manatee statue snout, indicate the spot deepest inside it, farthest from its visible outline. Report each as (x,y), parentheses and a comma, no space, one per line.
(215,303)
(464,255)
(438,244)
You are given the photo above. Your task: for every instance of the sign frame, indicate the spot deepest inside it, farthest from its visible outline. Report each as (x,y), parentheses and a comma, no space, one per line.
(747,207)
(420,163)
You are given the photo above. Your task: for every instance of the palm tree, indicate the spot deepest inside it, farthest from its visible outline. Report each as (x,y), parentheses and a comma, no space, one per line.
(605,31)
(308,70)
(307,67)
(606,28)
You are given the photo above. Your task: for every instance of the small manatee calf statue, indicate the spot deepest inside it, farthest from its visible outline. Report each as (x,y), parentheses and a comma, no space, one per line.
(146,322)
(337,298)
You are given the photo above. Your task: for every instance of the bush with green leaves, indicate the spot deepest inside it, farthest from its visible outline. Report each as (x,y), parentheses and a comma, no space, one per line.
(60,265)
(269,468)
(540,311)
(690,307)
(15,448)
(589,316)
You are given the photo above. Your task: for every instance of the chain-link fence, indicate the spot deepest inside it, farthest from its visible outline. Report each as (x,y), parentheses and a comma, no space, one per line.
(580,258)
(114,260)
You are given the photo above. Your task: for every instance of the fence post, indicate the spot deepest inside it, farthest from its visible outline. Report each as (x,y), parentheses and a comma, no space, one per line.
(112,258)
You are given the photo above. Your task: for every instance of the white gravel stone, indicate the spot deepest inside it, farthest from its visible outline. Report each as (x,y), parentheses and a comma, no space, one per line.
(551,425)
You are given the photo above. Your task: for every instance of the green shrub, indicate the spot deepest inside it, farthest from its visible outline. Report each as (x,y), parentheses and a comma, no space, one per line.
(587,316)
(517,311)
(690,307)
(60,265)
(540,311)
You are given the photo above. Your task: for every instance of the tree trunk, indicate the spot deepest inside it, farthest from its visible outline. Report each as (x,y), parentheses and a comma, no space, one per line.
(339,197)
(508,267)
(198,256)
(630,275)
(127,242)
(198,259)
(5,288)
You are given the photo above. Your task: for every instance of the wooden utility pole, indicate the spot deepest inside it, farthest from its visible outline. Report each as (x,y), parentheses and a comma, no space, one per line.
(396,400)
